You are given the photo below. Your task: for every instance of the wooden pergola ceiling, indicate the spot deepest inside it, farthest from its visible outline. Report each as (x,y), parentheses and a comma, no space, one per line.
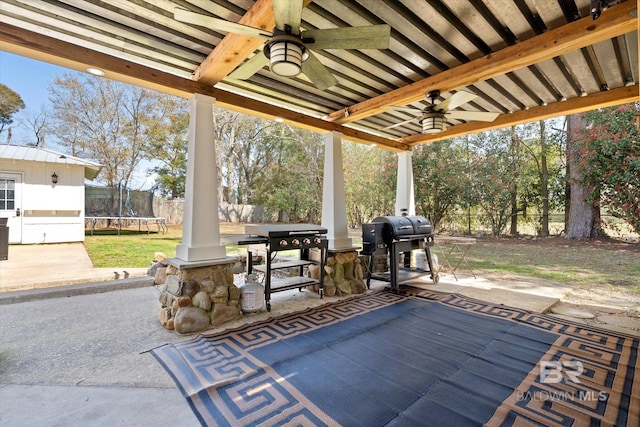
(526,60)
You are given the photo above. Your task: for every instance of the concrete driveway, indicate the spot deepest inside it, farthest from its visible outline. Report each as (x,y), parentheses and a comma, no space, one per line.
(42,266)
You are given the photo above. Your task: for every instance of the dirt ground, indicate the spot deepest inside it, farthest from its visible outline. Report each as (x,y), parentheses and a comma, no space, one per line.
(594,294)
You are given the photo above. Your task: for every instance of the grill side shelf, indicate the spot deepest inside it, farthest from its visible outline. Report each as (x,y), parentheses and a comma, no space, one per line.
(284,264)
(292,282)
(307,246)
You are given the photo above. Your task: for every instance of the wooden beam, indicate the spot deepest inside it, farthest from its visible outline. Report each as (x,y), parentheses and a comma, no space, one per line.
(233,49)
(42,48)
(608,98)
(615,21)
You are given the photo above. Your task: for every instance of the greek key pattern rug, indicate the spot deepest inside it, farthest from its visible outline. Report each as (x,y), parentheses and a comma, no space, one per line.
(406,359)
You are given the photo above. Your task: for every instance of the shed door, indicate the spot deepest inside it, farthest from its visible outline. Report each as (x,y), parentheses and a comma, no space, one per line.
(10,204)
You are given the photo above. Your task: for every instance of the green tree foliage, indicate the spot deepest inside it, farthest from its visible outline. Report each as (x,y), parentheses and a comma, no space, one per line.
(247,151)
(370,180)
(492,172)
(169,147)
(440,179)
(611,161)
(269,163)
(10,104)
(541,170)
(294,185)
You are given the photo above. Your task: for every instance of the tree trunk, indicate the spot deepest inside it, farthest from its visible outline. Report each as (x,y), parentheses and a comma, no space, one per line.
(515,158)
(584,217)
(544,181)
(567,190)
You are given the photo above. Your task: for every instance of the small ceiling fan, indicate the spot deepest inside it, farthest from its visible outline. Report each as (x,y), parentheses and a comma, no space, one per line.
(288,48)
(433,116)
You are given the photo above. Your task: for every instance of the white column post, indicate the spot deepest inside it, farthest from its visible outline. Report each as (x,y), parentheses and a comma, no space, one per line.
(405,201)
(334,204)
(201,225)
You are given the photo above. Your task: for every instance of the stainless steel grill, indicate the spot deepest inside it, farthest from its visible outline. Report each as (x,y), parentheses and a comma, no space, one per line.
(284,237)
(396,236)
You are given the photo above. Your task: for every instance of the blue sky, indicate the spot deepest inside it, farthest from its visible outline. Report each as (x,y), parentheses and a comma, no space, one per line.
(30,79)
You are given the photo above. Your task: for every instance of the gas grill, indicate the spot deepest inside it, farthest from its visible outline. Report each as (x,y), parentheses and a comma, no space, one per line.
(396,235)
(305,238)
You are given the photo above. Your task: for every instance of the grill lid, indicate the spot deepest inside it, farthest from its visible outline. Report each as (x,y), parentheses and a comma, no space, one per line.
(401,226)
(395,226)
(421,225)
(284,230)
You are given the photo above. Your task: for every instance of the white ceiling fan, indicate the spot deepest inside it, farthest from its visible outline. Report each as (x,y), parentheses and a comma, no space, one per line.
(288,48)
(433,116)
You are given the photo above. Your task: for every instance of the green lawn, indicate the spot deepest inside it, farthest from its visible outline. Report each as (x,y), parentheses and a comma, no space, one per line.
(134,249)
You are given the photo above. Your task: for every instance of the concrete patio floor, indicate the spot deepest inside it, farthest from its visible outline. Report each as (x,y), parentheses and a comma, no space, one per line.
(75,340)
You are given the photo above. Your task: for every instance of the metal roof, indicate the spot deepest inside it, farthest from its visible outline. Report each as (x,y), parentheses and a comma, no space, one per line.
(36,154)
(524,59)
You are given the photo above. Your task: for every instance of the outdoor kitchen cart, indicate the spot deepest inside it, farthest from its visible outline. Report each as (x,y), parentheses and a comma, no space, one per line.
(398,236)
(307,239)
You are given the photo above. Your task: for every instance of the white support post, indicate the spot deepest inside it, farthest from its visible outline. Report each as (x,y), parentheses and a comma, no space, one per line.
(334,204)
(405,201)
(201,225)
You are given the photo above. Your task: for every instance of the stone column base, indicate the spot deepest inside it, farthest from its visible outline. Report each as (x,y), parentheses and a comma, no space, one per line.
(344,274)
(198,295)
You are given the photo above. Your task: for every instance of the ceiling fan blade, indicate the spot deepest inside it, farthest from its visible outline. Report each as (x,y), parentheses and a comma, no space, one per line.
(456,100)
(470,116)
(405,109)
(288,12)
(184,15)
(318,73)
(398,124)
(367,37)
(250,67)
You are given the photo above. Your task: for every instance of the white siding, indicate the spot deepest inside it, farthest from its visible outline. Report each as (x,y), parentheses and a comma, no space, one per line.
(50,213)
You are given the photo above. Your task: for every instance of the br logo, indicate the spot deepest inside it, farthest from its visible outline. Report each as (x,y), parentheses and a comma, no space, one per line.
(553,372)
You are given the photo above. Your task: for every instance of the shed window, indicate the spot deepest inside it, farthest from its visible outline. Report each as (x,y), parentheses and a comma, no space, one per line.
(7,194)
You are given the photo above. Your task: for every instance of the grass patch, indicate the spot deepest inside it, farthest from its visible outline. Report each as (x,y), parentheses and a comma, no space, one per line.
(129,249)
(133,248)
(587,264)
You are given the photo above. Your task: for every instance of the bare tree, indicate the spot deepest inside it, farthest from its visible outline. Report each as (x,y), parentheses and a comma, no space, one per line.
(38,123)
(110,122)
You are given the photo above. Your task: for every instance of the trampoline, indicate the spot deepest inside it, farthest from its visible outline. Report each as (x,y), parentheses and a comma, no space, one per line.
(121,206)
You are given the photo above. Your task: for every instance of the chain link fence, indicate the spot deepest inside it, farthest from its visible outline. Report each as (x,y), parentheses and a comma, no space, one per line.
(476,224)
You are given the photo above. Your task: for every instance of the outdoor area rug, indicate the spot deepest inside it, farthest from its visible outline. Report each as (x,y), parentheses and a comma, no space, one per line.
(414,358)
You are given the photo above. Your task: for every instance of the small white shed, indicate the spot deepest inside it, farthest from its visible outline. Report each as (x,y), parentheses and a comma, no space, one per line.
(42,194)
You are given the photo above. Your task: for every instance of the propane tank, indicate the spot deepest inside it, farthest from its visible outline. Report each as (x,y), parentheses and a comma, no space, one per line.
(420,259)
(252,295)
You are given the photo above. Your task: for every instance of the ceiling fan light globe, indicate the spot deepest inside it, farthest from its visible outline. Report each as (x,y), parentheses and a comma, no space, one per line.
(286,58)
(432,122)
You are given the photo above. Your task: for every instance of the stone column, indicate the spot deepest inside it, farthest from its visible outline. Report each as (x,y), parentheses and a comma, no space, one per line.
(201,225)
(334,204)
(405,202)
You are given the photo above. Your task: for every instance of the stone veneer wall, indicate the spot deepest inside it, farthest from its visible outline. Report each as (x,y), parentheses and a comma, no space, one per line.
(344,274)
(193,299)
